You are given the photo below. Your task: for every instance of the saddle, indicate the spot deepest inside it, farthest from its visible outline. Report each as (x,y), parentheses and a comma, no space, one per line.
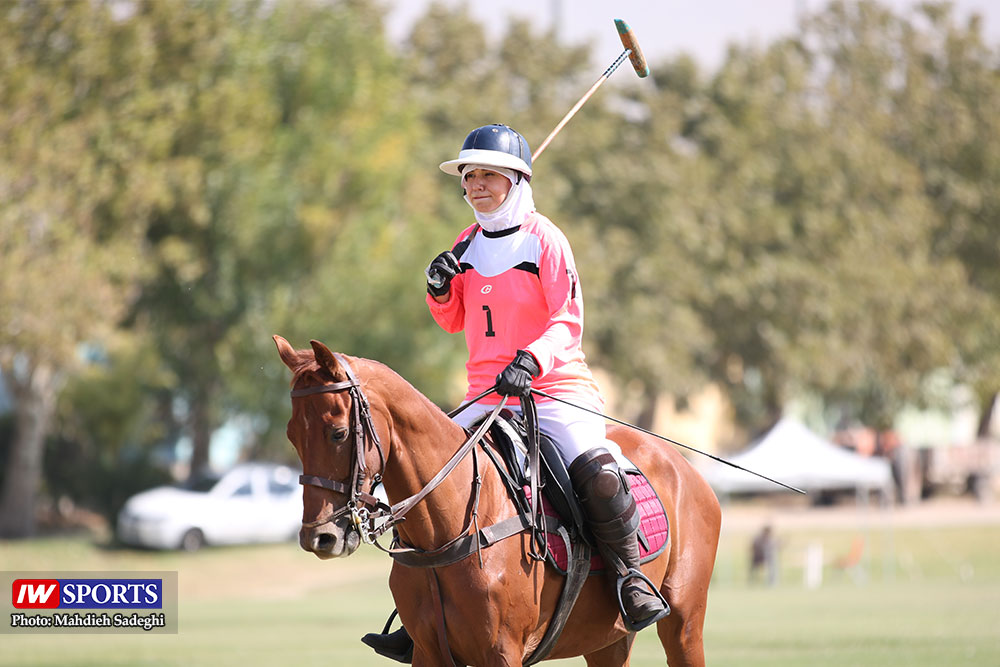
(509,437)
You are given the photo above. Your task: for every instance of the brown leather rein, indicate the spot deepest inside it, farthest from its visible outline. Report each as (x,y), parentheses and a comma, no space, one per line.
(364,508)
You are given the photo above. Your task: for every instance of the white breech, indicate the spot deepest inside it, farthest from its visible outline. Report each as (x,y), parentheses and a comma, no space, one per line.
(572,430)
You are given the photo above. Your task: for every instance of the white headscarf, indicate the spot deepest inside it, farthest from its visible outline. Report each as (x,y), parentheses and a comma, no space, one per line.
(514,209)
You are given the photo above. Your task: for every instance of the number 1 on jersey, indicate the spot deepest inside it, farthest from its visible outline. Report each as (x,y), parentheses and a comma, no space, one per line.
(489,323)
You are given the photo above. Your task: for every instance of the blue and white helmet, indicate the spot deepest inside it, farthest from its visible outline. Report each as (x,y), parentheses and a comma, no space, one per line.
(492,146)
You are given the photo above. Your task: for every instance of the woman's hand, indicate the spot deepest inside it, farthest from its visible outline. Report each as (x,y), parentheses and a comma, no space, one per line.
(440,273)
(515,380)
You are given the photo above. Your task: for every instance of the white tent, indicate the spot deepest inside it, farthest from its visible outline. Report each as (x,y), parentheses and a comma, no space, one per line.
(793,454)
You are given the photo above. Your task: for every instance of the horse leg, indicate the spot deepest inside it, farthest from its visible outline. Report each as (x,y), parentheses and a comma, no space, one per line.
(504,654)
(613,655)
(681,637)
(681,633)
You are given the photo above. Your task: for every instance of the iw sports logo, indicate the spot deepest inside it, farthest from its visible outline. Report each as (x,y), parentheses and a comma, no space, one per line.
(87,593)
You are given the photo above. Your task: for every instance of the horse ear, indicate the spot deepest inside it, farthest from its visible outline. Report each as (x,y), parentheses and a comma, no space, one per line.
(325,358)
(286,352)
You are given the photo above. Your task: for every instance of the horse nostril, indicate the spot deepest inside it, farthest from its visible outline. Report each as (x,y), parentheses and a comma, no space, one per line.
(324,542)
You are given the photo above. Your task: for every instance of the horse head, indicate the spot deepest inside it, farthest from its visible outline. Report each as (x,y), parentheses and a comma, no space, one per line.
(333,433)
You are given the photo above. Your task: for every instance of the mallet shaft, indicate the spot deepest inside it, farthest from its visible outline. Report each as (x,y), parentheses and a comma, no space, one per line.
(576,107)
(632,52)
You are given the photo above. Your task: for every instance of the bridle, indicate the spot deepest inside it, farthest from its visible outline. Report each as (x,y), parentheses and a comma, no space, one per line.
(361,504)
(363,507)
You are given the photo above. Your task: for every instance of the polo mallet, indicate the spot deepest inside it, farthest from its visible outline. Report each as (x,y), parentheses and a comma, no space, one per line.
(632,52)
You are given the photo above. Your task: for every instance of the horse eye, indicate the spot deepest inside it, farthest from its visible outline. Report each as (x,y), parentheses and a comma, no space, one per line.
(338,434)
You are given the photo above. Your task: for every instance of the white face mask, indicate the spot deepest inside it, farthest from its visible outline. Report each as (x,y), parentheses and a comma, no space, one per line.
(514,209)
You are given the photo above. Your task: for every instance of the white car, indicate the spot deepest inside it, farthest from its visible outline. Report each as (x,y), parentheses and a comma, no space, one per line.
(253,502)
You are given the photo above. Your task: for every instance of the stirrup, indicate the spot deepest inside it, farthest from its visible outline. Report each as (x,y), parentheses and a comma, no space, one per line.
(396,645)
(636,625)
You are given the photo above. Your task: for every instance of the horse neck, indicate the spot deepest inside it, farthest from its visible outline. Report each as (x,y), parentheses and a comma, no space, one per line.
(423,439)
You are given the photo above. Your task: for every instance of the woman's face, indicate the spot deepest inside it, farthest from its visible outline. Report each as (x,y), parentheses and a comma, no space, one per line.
(486,189)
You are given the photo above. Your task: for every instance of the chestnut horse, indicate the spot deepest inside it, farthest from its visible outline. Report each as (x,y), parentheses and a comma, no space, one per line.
(495,607)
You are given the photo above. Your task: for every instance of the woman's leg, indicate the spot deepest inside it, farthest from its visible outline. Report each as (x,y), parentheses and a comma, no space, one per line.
(574,431)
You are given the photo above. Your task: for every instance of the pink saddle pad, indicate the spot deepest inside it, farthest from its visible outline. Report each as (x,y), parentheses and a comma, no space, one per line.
(653,525)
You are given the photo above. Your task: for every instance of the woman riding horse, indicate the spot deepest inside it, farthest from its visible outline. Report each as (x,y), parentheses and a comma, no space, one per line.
(511,284)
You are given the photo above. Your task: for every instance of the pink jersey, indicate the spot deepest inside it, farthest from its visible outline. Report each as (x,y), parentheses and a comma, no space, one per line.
(519,290)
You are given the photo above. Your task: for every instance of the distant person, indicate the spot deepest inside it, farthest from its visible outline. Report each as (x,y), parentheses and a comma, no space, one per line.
(764,556)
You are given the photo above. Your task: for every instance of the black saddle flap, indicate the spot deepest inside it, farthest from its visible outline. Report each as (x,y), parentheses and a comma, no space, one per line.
(557,487)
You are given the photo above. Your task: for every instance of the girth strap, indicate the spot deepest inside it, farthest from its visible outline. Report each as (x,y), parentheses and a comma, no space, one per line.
(469,544)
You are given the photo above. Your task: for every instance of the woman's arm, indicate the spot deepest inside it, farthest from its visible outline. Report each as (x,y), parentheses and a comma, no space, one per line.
(557,274)
(449,313)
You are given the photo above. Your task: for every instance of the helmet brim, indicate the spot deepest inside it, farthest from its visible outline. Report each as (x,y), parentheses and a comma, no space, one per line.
(486,159)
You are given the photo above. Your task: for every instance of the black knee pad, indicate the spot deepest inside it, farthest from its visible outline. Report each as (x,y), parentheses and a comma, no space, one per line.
(604,494)
(588,465)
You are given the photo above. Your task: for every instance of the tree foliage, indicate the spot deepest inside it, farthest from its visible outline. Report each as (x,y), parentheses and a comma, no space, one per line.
(67,191)
(180,180)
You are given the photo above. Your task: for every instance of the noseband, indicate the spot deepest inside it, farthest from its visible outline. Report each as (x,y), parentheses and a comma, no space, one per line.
(360,503)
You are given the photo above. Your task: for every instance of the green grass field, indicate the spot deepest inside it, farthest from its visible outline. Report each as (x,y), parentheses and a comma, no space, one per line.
(924,596)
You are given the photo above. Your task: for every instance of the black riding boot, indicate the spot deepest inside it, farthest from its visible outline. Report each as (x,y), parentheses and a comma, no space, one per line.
(395,645)
(613,518)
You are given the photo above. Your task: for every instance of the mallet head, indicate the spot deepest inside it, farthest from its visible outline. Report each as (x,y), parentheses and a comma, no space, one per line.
(629,42)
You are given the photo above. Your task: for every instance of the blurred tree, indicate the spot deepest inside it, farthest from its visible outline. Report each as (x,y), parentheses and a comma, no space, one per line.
(287,157)
(772,229)
(110,429)
(945,100)
(819,215)
(68,185)
(220,153)
(925,308)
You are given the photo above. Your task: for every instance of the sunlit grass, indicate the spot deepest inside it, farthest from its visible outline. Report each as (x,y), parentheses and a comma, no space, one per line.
(926,597)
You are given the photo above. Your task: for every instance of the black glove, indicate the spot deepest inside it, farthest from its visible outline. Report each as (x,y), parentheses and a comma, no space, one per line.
(515,380)
(440,273)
